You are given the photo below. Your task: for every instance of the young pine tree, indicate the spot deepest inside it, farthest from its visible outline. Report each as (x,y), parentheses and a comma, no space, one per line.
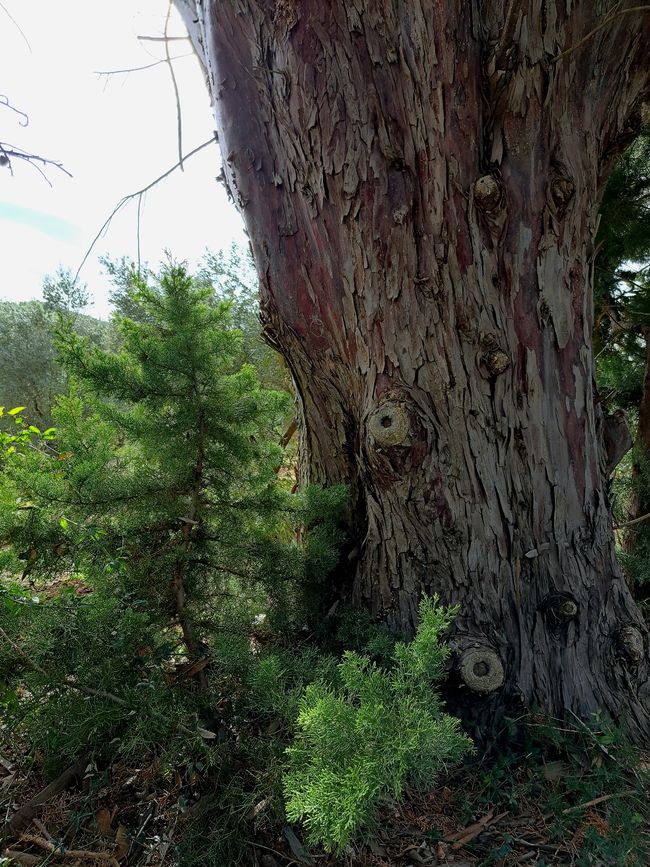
(163,479)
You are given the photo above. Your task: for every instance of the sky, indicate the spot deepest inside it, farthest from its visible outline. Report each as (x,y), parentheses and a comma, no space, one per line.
(114,134)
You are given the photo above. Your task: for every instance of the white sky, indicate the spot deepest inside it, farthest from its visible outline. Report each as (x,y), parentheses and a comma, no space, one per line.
(114,134)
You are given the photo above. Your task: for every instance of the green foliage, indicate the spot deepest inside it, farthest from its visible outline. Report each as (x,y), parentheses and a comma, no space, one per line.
(361,739)
(29,371)
(624,230)
(63,294)
(95,663)
(230,276)
(157,526)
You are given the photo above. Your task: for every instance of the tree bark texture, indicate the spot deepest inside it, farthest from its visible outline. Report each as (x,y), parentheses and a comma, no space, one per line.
(420,181)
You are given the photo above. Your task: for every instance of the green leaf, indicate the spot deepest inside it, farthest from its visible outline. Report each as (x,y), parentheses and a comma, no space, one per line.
(34,429)
(16,410)
(63,524)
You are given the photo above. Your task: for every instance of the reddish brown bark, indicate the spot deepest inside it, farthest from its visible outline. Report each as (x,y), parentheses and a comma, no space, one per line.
(420,181)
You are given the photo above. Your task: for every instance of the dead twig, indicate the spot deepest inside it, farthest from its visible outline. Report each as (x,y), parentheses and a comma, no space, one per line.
(615,13)
(69,854)
(142,68)
(595,801)
(26,813)
(41,827)
(163,38)
(466,835)
(4,100)
(126,199)
(544,847)
(16,25)
(9,152)
(179,119)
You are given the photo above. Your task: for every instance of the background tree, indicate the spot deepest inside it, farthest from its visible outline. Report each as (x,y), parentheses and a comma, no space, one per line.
(622,328)
(63,293)
(420,183)
(30,374)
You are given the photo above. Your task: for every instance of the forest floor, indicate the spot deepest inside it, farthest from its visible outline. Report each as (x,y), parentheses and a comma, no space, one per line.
(582,804)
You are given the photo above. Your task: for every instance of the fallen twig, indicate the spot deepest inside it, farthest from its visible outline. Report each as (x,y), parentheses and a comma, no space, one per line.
(26,813)
(22,857)
(70,854)
(466,835)
(595,801)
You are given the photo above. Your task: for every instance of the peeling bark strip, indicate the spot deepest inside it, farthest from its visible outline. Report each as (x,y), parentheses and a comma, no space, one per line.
(420,181)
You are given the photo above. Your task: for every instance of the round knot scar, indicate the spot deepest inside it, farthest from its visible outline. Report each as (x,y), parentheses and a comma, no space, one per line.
(497,362)
(481,669)
(487,192)
(562,190)
(389,424)
(567,609)
(632,643)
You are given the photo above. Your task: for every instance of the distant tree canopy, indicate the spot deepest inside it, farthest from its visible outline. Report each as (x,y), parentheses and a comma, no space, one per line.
(30,375)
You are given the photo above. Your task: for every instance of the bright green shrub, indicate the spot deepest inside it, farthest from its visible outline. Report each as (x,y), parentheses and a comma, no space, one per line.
(361,740)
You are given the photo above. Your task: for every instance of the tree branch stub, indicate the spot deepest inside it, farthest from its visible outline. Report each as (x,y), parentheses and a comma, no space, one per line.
(481,669)
(389,424)
(487,193)
(632,644)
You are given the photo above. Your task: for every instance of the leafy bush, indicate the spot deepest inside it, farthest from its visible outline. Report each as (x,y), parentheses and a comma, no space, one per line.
(360,740)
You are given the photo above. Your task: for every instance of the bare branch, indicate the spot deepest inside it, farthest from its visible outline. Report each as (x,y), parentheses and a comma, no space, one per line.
(16,24)
(4,100)
(138,194)
(162,38)
(138,230)
(146,66)
(615,13)
(179,119)
(640,520)
(9,152)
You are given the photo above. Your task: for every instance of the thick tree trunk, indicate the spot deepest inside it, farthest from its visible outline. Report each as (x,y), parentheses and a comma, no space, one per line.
(420,181)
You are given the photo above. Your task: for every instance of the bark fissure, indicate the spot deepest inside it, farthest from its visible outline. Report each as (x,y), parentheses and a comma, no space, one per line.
(421,187)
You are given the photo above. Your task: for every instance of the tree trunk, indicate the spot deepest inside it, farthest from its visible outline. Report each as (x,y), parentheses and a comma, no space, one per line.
(420,182)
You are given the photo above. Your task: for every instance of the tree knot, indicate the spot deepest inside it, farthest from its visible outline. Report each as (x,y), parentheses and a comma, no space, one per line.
(631,642)
(497,362)
(487,192)
(389,424)
(481,669)
(562,190)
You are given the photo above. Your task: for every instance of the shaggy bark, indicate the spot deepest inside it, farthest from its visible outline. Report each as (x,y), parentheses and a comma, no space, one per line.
(420,181)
